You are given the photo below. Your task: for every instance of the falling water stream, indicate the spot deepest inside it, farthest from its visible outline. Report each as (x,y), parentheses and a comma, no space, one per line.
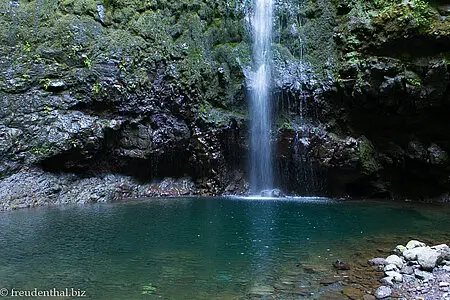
(261,167)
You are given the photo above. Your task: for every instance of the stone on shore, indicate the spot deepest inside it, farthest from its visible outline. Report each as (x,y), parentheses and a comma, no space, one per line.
(399,249)
(427,257)
(423,275)
(377,261)
(396,276)
(383,292)
(390,267)
(414,244)
(394,259)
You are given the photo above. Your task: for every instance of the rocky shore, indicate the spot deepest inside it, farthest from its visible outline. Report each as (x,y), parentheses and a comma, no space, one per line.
(32,188)
(415,271)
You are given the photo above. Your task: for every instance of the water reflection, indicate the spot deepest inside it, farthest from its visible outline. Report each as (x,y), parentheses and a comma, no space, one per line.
(200,248)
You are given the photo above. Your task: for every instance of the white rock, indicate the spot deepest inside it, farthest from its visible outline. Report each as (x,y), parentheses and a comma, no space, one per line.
(411,254)
(441,247)
(387,280)
(394,259)
(428,258)
(383,292)
(390,267)
(400,248)
(446,268)
(397,277)
(414,244)
(444,284)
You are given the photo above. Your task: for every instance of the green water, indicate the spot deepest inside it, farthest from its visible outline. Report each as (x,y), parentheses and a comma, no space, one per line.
(208,248)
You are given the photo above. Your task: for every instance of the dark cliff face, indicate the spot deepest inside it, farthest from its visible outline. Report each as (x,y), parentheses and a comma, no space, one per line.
(141,88)
(155,89)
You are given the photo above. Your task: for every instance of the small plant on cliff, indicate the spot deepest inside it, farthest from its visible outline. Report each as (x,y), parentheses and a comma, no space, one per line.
(27,47)
(88,62)
(47,109)
(76,49)
(286,124)
(45,82)
(122,67)
(414,82)
(96,88)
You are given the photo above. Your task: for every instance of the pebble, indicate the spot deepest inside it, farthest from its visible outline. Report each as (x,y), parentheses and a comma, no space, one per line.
(443,284)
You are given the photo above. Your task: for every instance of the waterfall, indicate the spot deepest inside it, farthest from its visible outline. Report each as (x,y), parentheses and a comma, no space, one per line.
(261,167)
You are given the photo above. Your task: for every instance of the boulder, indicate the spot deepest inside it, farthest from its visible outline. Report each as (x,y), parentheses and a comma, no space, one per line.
(383,292)
(377,261)
(427,257)
(396,260)
(414,244)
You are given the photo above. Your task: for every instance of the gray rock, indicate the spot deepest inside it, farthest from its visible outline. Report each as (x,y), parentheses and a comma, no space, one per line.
(396,260)
(414,244)
(444,251)
(407,270)
(427,257)
(396,277)
(383,292)
(274,193)
(441,247)
(377,261)
(423,275)
(410,279)
(388,280)
(411,254)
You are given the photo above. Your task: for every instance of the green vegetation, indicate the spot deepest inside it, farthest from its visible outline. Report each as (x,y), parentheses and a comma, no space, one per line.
(87,62)
(417,11)
(41,151)
(27,47)
(47,109)
(367,156)
(96,88)
(286,124)
(45,82)
(414,82)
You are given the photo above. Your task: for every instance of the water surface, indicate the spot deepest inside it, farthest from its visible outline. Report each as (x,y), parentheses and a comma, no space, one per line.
(200,248)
